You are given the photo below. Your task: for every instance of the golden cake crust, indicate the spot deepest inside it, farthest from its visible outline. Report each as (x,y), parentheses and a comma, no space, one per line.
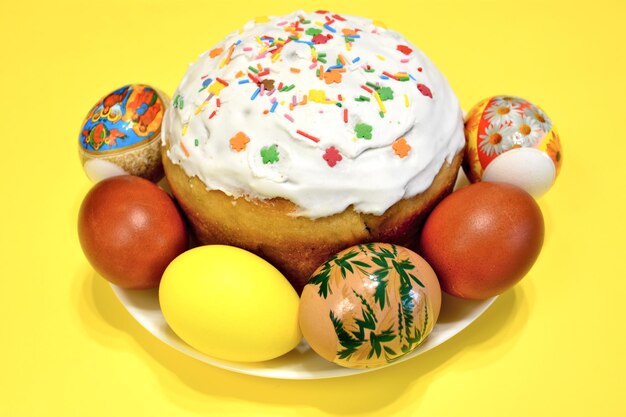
(298,245)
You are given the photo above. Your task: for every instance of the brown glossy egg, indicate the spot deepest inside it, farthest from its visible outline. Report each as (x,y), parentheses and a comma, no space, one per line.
(130,230)
(482,239)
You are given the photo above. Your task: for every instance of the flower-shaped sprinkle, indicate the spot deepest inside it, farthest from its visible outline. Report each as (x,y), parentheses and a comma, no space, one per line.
(270,154)
(401,148)
(363,131)
(332,76)
(239,141)
(385,93)
(321,39)
(332,156)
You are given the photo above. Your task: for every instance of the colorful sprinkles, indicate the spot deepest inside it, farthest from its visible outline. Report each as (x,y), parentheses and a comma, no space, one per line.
(306,135)
(184,148)
(332,156)
(281,93)
(269,154)
(425,90)
(401,148)
(363,131)
(239,142)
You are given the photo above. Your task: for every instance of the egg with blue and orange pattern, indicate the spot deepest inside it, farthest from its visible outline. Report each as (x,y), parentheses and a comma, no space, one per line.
(121,134)
(511,140)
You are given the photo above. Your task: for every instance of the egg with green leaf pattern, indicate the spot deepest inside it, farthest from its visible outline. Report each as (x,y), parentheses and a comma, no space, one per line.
(369,305)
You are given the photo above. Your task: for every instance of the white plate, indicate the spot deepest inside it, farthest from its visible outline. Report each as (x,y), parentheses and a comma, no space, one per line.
(302,362)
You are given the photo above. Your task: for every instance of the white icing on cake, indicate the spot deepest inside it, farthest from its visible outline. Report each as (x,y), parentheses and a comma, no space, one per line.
(373,173)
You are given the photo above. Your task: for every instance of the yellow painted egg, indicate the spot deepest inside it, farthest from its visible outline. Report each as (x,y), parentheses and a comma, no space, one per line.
(230,304)
(512,140)
(369,305)
(121,134)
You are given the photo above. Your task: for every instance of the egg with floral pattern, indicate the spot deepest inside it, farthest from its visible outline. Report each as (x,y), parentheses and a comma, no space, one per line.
(121,134)
(369,305)
(510,139)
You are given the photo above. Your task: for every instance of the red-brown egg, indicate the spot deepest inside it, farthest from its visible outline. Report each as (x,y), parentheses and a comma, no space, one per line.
(482,239)
(130,230)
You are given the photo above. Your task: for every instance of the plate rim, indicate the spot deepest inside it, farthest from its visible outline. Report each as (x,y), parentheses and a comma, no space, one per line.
(335,371)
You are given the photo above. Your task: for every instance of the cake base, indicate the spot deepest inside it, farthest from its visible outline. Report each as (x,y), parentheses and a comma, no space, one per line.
(298,245)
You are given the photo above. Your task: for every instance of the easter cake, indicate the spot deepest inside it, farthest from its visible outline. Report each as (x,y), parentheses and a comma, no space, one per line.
(301,135)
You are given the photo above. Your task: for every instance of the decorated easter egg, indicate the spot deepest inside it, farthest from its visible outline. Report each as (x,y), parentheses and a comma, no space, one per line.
(482,239)
(122,134)
(230,304)
(130,230)
(511,140)
(369,305)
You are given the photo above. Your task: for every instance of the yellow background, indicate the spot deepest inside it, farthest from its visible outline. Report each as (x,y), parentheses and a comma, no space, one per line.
(553,345)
